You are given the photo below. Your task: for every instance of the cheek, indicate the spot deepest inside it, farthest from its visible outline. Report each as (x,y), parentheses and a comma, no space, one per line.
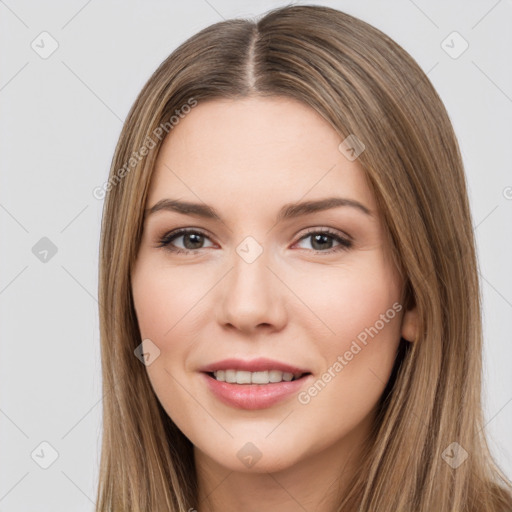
(356,338)
(348,302)
(164,298)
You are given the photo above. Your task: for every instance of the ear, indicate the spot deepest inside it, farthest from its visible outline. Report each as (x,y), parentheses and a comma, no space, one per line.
(410,324)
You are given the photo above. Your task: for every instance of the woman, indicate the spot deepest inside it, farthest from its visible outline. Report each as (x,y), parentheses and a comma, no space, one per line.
(248,366)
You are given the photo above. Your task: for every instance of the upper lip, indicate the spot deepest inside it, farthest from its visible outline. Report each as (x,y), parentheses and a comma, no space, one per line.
(254,365)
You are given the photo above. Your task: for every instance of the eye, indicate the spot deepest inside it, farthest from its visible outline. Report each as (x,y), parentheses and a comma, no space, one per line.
(192,240)
(321,241)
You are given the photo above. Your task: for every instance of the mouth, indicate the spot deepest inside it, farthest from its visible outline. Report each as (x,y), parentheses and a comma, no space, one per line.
(252,390)
(254,384)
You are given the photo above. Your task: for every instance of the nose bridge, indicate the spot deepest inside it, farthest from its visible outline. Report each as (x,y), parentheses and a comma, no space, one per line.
(251,294)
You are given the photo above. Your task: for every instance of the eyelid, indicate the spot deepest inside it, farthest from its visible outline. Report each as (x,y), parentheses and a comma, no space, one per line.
(330,231)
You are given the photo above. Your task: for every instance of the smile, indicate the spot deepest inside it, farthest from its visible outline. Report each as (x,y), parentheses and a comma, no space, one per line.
(254,396)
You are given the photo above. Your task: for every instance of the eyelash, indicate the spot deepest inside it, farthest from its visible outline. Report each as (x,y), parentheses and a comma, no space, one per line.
(165,241)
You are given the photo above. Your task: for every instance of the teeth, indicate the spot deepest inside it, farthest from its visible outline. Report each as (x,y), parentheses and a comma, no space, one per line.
(245,377)
(275,376)
(230,375)
(259,378)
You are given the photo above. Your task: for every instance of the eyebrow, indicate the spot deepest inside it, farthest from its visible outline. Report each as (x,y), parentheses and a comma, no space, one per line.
(288,211)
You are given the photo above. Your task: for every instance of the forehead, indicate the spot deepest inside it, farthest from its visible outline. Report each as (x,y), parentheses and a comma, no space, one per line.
(257,150)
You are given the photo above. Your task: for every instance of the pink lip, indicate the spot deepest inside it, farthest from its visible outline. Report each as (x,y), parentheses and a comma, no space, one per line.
(253,396)
(255,365)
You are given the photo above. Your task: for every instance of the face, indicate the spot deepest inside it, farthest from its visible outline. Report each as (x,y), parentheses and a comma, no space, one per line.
(258,289)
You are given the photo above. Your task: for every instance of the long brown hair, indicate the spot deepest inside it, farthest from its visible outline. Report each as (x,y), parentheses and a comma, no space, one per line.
(366,85)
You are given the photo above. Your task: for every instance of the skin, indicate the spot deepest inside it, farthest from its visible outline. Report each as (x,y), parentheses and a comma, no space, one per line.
(297,302)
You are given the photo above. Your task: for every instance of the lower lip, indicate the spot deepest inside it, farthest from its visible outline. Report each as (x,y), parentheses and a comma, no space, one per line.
(253,396)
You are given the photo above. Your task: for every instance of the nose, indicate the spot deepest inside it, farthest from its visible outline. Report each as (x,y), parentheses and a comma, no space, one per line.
(252,297)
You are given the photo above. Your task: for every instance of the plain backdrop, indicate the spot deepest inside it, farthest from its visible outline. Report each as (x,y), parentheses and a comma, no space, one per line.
(60,117)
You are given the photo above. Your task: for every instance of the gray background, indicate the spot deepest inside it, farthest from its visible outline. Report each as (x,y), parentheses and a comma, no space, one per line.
(60,119)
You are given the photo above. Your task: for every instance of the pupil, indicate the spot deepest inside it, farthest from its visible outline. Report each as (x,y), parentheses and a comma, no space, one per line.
(192,235)
(324,237)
